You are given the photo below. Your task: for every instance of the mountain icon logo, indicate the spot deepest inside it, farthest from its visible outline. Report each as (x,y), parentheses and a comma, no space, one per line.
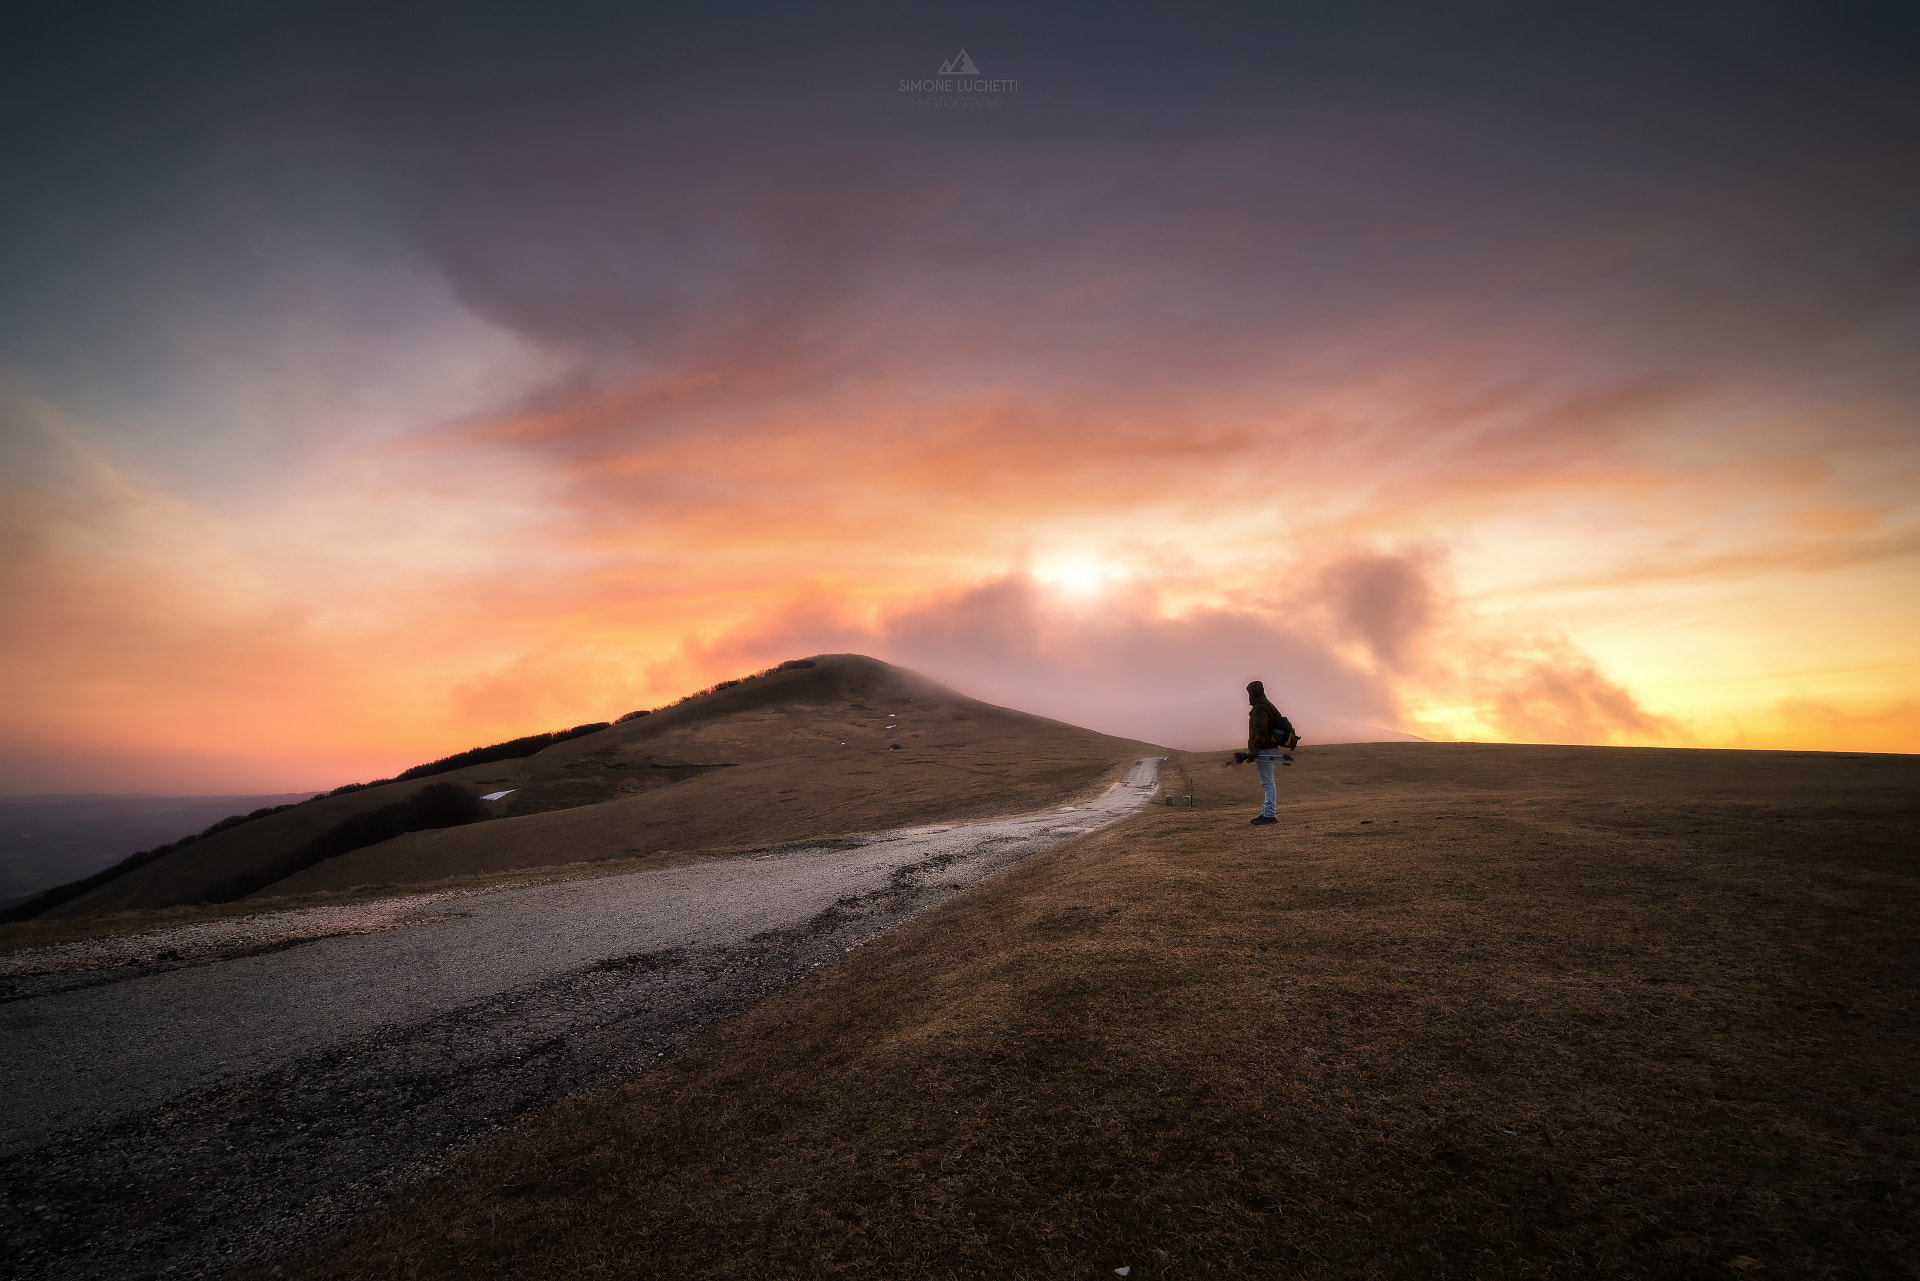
(959,65)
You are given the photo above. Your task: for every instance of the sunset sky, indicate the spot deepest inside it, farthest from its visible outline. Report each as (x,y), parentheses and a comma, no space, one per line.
(380,380)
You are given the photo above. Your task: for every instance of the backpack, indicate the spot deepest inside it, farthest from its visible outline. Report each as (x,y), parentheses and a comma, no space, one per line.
(1285,733)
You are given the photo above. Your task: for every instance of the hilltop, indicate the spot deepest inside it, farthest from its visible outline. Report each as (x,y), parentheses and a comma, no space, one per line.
(835,744)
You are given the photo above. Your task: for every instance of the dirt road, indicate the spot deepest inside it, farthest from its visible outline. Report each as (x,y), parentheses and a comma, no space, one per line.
(195,1107)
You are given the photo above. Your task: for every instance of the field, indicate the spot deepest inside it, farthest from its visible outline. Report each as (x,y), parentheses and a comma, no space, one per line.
(1468,1011)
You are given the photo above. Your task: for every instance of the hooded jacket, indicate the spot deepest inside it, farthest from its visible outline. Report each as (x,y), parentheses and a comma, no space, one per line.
(1267,729)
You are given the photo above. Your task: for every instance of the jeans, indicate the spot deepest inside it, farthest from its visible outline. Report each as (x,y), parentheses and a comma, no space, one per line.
(1265,762)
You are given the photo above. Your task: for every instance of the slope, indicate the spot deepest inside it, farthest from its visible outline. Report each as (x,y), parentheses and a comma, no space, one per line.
(805,751)
(850,745)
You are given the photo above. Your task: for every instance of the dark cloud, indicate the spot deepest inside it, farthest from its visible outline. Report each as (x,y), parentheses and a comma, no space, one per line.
(1384,601)
(724,185)
(1277,203)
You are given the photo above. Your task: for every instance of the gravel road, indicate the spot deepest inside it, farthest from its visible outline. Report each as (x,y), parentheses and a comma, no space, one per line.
(194,1098)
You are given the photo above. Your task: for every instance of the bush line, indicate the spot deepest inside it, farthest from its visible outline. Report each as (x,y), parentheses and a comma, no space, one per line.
(47,900)
(512,749)
(435,805)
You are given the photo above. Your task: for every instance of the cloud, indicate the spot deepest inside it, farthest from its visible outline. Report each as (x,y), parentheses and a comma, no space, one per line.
(1117,664)
(1360,652)
(1546,692)
(1384,601)
(1498,679)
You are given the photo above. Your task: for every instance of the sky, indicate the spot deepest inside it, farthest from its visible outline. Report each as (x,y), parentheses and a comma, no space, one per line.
(381,380)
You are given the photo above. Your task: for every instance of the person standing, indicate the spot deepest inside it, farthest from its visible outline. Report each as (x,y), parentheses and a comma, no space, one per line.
(1269,734)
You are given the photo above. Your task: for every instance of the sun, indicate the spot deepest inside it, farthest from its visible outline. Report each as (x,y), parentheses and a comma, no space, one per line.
(1075,576)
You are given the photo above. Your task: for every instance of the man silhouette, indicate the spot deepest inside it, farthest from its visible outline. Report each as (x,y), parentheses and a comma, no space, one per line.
(1268,733)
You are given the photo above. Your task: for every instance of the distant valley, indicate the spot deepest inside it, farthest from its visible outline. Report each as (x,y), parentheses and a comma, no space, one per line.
(51,839)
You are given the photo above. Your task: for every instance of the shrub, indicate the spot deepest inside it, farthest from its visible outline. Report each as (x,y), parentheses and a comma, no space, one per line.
(47,900)
(509,750)
(435,805)
(790,665)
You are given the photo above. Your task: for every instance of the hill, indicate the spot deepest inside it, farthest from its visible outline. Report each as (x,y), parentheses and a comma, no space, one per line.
(836,744)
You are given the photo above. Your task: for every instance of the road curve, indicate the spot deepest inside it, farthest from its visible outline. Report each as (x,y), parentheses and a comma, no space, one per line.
(295,1083)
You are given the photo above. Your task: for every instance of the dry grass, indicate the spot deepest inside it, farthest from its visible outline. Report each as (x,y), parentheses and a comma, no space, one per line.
(45,932)
(600,840)
(1467,1012)
(808,753)
(760,803)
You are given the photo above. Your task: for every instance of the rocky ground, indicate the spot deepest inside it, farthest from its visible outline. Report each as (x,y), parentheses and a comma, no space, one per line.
(66,967)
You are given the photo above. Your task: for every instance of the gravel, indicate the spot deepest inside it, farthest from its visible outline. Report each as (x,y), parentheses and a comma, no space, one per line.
(195,1098)
(41,971)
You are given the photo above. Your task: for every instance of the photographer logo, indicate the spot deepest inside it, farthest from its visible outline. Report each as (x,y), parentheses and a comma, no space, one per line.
(960,86)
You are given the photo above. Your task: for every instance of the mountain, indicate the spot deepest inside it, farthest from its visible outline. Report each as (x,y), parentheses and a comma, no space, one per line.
(836,744)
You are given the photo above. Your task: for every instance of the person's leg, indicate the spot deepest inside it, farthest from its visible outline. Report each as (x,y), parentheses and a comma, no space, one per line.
(1264,762)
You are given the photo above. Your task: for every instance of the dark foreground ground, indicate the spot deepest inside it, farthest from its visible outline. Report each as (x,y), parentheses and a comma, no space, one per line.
(1468,1011)
(258,1163)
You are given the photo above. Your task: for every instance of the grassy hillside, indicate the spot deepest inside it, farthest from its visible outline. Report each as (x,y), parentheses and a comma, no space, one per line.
(843,744)
(1468,1011)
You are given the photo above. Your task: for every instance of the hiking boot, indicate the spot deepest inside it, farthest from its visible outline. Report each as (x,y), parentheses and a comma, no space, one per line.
(1264,819)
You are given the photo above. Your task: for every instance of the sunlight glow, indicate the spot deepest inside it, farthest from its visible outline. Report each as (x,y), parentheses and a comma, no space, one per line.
(1077,576)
